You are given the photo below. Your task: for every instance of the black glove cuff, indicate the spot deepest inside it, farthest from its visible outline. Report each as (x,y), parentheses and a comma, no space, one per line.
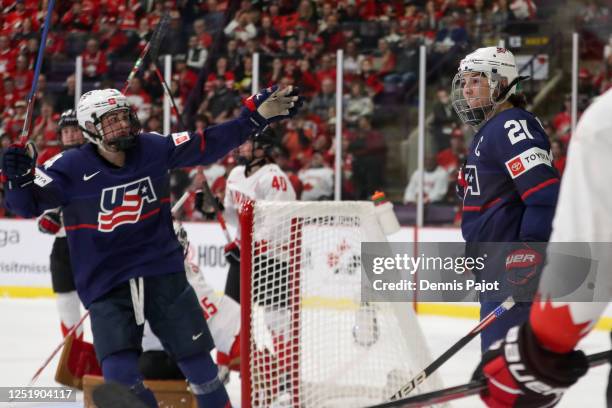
(14,183)
(558,370)
(256,121)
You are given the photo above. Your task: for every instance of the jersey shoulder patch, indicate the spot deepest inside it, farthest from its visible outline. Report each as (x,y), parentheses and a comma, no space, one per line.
(530,158)
(41,178)
(180,138)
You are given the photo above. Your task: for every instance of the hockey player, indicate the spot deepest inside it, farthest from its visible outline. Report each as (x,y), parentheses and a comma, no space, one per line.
(68,303)
(537,361)
(257,177)
(127,262)
(81,358)
(508,184)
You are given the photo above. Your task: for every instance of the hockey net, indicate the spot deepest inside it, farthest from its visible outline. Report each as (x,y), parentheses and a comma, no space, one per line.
(307,339)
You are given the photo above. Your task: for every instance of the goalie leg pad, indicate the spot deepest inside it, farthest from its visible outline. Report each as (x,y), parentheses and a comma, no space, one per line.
(231,360)
(78,358)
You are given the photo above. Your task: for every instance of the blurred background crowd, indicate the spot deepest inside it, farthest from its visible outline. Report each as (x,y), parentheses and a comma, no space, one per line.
(212,43)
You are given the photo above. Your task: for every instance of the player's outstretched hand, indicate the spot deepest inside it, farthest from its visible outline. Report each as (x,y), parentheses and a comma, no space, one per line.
(522,373)
(272,104)
(18,165)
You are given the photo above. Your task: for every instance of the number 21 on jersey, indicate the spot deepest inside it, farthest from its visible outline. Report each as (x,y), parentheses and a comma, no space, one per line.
(517,130)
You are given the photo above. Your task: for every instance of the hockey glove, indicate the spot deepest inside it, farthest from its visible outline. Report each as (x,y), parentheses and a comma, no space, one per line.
(232,252)
(205,206)
(18,165)
(271,105)
(50,222)
(522,373)
(524,264)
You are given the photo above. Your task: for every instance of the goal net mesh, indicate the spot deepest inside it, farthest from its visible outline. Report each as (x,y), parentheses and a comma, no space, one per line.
(311,341)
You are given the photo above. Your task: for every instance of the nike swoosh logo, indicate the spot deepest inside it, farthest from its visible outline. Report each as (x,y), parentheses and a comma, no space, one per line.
(86,177)
(196,336)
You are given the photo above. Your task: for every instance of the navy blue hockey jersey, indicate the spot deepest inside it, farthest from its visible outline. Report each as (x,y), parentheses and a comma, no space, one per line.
(510,187)
(118,220)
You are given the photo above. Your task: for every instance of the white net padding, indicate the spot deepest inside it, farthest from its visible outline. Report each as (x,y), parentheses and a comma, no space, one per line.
(312,342)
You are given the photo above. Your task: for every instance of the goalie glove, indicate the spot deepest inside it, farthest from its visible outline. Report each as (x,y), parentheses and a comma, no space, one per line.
(50,222)
(522,373)
(271,105)
(18,165)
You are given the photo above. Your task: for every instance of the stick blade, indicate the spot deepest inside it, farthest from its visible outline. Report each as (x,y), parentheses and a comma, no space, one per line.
(158,36)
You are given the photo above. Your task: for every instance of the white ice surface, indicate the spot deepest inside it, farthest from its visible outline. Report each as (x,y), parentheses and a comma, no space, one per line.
(29,332)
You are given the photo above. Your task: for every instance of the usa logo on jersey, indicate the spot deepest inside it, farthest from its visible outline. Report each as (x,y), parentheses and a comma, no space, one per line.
(123,204)
(472,186)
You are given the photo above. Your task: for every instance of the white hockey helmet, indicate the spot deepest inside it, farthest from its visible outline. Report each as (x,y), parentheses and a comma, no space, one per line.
(93,105)
(495,64)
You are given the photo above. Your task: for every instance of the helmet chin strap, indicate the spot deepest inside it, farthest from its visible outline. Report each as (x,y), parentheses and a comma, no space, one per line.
(254,164)
(504,92)
(122,143)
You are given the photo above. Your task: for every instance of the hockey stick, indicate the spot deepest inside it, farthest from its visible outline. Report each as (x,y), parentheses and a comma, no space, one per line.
(169,93)
(471,388)
(57,349)
(25,132)
(422,376)
(179,203)
(152,45)
(208,195)
(211,199)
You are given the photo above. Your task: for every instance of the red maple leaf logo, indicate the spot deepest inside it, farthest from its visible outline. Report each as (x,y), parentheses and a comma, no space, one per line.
(554,326)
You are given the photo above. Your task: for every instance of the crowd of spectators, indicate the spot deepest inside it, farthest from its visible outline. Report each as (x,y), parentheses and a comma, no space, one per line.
(212,43)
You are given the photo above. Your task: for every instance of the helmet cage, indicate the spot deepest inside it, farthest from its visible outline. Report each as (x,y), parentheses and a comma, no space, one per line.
(496,65)
(121,143)
(476,109)
(95,105)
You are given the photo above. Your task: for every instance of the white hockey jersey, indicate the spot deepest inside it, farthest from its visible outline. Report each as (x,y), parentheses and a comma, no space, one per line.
(318,183)
(267,183)
(585,198)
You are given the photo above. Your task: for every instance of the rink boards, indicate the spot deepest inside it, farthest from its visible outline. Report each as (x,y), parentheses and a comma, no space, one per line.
(24,261)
